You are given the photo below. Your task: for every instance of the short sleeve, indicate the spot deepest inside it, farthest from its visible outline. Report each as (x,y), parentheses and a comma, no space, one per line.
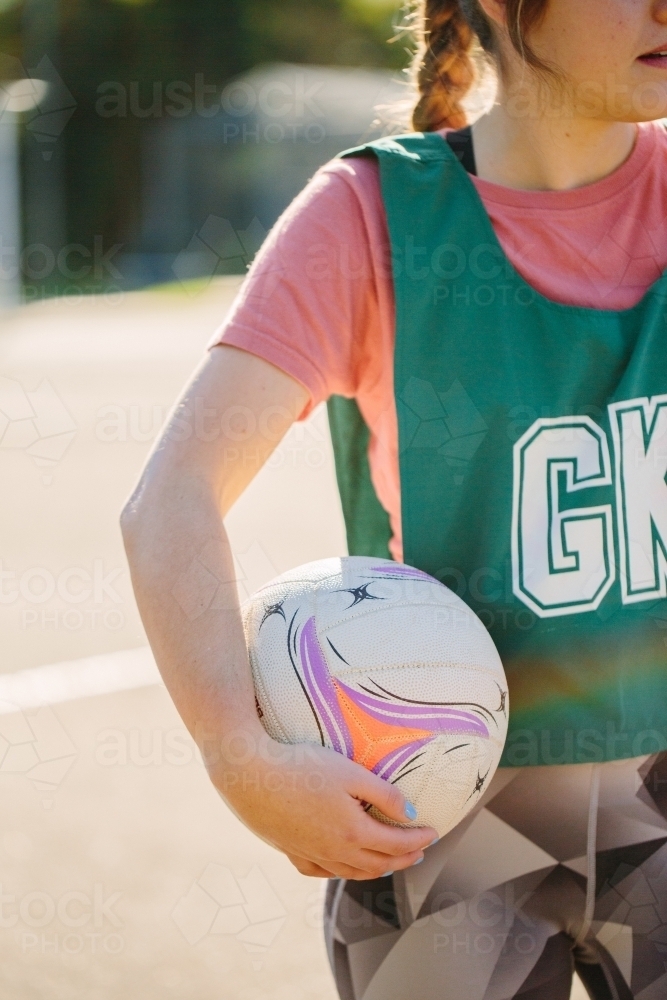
(310,302)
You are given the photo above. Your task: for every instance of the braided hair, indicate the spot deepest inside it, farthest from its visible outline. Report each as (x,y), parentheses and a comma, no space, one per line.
(449,34)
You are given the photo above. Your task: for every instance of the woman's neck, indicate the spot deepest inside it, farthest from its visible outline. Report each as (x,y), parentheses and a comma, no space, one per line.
(548,152)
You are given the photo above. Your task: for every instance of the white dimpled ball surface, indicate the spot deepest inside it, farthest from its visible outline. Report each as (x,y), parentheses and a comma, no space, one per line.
(384,664)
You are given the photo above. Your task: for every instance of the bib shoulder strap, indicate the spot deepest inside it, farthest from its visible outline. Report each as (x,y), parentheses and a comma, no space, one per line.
(427,147)
(424,146)
(425,176)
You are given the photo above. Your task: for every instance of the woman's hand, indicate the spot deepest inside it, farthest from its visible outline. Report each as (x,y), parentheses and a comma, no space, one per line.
(311,803)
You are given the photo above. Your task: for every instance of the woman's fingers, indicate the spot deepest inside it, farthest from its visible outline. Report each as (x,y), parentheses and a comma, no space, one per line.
(340,870)
(314,869)
(310,868)
(367,866)
(370,866)
(390,801)
(395,842)
(388,798)
(379,863)
(357,845)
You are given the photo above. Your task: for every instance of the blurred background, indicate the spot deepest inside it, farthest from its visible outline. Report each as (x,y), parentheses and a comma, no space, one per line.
(145,150)
(136,120)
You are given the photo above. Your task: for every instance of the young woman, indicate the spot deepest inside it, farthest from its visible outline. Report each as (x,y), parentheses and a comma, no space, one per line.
(493,301)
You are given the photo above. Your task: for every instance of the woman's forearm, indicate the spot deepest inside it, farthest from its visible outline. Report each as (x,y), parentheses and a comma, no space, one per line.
(183,577)
(180,558)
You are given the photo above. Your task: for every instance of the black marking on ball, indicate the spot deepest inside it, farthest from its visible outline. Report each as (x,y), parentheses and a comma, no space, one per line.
(336,651)
(374,693)
(360,594)
(479,784)
(408,579)
(295,636)
(274,609)
(403,773)
(503,700)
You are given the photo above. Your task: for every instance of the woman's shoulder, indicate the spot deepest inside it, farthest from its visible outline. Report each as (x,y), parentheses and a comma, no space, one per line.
(354,180)
(341,203)
(357,171)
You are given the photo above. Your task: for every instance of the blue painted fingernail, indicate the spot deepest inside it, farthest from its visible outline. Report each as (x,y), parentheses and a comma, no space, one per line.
(434,841)
(410,811)
(386,874)
(418,861)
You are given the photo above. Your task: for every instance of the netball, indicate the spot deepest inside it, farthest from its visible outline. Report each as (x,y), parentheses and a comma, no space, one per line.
(384,664)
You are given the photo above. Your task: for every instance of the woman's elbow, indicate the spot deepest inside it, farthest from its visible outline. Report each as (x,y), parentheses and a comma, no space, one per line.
(131,519)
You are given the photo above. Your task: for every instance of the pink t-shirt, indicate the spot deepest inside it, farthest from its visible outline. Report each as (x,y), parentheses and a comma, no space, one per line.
(318,300)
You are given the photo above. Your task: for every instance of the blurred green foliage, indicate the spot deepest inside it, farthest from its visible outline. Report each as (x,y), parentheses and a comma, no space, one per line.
(148,43)
(149,40)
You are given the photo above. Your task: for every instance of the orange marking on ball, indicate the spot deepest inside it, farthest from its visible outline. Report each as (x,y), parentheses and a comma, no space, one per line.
(372,740)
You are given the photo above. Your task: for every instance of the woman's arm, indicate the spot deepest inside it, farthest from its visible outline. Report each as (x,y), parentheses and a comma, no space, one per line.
(308,802)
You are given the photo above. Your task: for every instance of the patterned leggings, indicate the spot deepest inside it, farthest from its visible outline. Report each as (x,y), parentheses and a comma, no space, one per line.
(557,869)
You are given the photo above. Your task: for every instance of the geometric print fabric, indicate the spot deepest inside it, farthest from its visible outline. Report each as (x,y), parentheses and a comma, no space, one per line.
(510,903)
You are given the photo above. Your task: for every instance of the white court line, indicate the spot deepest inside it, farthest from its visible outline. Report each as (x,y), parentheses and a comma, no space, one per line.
(94,675)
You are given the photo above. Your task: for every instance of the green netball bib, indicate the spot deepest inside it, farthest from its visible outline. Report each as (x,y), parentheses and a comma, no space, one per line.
(533,463)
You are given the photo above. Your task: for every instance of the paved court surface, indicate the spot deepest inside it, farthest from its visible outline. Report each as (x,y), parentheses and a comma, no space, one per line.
(122,874)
